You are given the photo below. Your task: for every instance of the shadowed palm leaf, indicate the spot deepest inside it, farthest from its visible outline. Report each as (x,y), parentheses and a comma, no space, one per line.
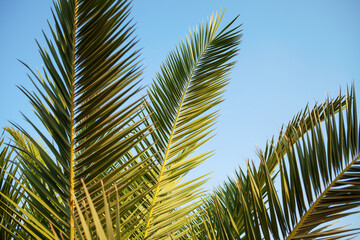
(311,161)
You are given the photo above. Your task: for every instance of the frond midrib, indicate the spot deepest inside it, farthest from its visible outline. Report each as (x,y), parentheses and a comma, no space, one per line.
(72,129)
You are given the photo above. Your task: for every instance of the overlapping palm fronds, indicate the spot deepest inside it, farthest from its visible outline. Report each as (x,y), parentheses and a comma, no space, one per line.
(111,230)
(107,164)
(9,189)
(95,130)
(191,82)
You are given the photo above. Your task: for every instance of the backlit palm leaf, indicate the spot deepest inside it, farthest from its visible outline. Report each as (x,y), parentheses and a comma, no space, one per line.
(189,84)
(84,101)
(109,165)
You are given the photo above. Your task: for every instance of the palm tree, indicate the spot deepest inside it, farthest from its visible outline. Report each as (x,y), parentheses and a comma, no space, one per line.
(110,164)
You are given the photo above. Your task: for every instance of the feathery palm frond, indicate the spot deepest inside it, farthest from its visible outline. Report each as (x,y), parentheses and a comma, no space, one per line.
(84,100)
(311,162)
(190,83)
(226,209)
(324,183)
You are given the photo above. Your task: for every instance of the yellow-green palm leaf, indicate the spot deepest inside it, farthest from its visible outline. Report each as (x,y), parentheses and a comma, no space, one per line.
(85,101)
(185,91)
(9,189)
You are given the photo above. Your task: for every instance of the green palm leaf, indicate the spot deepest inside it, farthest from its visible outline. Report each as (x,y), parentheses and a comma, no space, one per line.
(227,208)
(328,164)
(85,101)
(189,84)
(315,163)
(108,165)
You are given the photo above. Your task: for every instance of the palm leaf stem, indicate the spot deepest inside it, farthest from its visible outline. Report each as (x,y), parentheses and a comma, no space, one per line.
(72,142)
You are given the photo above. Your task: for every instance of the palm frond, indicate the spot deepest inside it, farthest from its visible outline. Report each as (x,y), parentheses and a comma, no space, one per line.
(311,168)
(85,99)
(327,179)
(104,233)
(189,84)
(231,203)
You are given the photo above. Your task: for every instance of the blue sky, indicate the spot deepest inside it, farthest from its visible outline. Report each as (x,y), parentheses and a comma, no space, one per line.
(292,53)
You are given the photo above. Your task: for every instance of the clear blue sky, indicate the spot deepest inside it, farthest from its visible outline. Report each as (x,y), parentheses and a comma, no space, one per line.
(293,53)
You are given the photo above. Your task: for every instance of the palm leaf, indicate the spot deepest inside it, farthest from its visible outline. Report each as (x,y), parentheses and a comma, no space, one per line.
(85,101)
(189,84)
(226,209)
(315,166)
(328,164)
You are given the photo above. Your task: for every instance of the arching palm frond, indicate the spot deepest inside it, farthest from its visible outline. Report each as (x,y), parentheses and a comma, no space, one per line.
(249,207)
(323,185)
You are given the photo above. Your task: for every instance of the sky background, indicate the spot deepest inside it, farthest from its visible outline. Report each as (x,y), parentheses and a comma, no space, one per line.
(292,53)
